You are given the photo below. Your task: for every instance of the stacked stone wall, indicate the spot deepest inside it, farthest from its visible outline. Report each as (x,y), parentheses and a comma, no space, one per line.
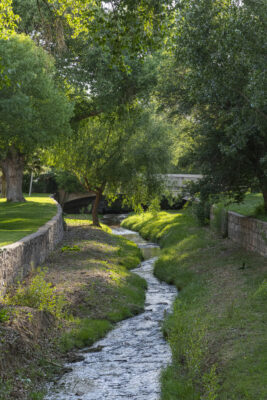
(19,258)
(250,233)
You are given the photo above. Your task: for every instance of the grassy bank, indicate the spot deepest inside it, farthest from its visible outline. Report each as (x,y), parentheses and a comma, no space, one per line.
(21,219)
(251,206)
(217,330)
(85,288)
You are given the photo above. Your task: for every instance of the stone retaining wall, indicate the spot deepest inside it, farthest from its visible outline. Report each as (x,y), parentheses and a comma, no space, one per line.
(19,258)
(250,233)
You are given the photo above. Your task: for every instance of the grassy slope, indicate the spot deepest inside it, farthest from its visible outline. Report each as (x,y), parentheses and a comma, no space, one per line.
(21,219)
(218,328)
(97,282)
(252,206)
(91,269)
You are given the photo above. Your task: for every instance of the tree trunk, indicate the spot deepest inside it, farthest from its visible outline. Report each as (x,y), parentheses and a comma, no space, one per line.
(3,184)
(264,192)
(95,208)
(12,167)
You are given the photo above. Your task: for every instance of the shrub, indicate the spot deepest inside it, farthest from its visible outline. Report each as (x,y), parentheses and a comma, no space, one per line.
(39,294)
(210,383)
(4,314)
(220,219)
(201,210)
(261,292)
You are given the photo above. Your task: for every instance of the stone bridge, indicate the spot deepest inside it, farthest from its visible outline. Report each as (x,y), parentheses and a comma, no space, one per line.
(174,182)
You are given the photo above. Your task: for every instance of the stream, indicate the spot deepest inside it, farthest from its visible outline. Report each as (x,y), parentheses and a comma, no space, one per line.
(127,363)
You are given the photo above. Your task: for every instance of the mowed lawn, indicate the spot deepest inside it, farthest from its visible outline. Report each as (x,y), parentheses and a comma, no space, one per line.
(21,219)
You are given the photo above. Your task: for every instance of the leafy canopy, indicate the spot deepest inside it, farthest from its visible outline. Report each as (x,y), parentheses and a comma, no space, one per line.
(8,19)
(33,110)
(117,154)
(117,25)
(216,78)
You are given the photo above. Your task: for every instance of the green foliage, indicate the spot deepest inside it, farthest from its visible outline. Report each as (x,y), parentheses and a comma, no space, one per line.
(84,334)
(70,248)
(154,206)
(108,26)
(33,109)
(42,183)
(201,210)
(67,181)
(220,221)
(251,206)
(216,75)
(8,19)
(37,395)
(39,294)
(4,314)
(210,384)
(261,292)
(129,153)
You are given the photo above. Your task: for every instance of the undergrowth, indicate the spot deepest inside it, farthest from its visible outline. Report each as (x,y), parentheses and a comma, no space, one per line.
(39,294)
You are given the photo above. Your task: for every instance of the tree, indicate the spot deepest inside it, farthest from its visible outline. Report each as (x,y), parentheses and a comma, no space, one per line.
(8,19)
(220,62)
(136,26)
(105,59)
(33,110)
(114,154)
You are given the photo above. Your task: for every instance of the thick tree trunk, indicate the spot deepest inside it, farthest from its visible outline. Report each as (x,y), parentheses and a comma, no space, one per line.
(95,208)
(3,184)
(264,192)
(12,167)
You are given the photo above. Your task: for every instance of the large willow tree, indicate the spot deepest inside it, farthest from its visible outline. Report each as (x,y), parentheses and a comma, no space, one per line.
(117,154)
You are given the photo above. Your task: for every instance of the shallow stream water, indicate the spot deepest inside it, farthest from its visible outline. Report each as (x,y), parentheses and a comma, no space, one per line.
(127,363)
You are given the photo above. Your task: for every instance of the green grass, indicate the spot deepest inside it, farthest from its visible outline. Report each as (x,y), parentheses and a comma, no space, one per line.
(217,330)
(84,219)
(21,219)
(252,206)
(86,332)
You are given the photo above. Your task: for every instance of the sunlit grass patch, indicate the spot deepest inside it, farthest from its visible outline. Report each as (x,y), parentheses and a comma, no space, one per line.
(21,219)
(83,220)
